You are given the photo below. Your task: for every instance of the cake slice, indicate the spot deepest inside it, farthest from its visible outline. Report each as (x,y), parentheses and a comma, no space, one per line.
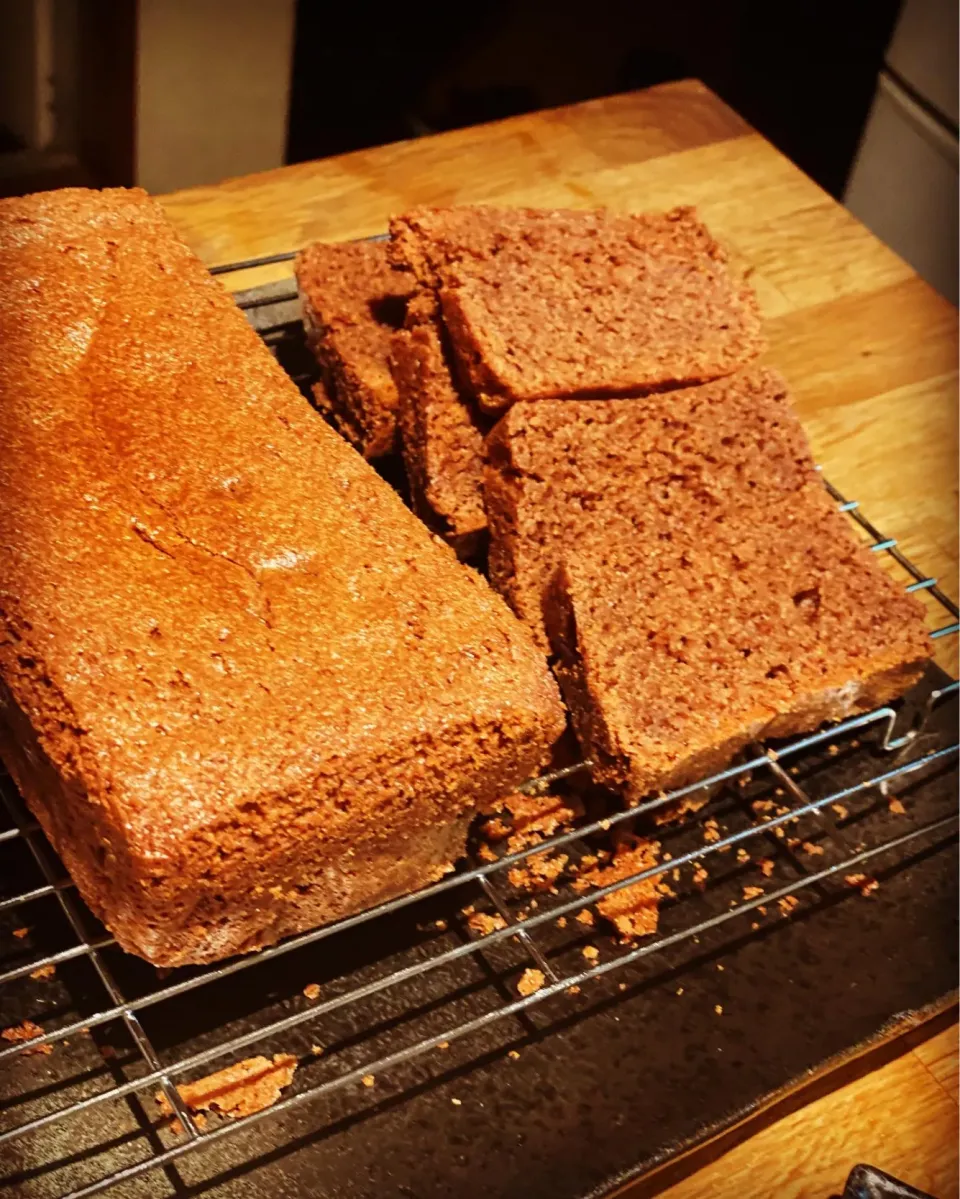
(242,688)
(674,655)
(442,439)
(557,303)
(352,303)
(558,469)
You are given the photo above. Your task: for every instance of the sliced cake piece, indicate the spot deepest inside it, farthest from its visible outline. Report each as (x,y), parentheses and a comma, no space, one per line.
(680,647)
(442,439)
(557,303)
(353,301)
(558,469)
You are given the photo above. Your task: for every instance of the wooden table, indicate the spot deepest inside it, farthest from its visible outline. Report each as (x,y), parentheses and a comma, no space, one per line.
(871,353)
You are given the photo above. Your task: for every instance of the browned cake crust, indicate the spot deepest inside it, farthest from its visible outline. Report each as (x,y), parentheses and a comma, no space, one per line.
(555,470)
(242,687)
(545,303)
(733,605)
(442,439)
(352,303)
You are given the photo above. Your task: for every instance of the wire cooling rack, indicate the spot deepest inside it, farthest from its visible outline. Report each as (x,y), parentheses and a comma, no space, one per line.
(780,809)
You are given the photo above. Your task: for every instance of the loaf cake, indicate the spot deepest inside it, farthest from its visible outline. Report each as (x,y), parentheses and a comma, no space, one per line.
(734,604)
(557,469)
(352,304)
(242,688)
(542,303)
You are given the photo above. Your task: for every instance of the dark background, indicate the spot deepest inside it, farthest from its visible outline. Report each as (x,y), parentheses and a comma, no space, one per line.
(803,73)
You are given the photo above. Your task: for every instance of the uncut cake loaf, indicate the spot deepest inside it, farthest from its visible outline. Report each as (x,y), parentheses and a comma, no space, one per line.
(714,595)
(242,688)
(352,303)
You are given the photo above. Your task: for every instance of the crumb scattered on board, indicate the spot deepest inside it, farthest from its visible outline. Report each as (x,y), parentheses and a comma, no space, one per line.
(316,1050)
(895,805)
(863,883)
(586,917)
(20,933)
(529,819)
(633,910)
(312,991)
(700,875)
(787,903)
(718,1008)
(766,866)
(840,810)
(670,813)
(590,952)
(44,972)
(26,1032)
(239,1090)
(711,831)
(484,923)
(752,892)
(368,1080)
(811,848)
(539,873)
(512,1053)
(530,981)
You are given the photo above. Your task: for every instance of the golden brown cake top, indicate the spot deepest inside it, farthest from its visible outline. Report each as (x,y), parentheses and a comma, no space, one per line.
(219,599)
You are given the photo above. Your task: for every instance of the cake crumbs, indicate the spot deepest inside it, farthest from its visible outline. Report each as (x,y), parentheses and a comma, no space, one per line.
(621,986)
(762,805)
(679,990)
(863,883)
(530,981)
(530,819)
(778,832)
(539,873)
(590,952)
(485,923)
(574,990)
(44,972)
(840,810)
(440,926)
(742,855)
(239,1090)
(312,991)
(316,1050)
(586,917)
(369,1080)
(20,933)
(833,750)
(754,926)
(634,909)
(700,875)
(561,922)
(762,909)
(718,1008)
(765,866)
(895,805)
(485,853)
(513,1054)
(720,967)
(711,832)
(588,861)
(811,848)
(457,1102)
(787,903)
(27,1031)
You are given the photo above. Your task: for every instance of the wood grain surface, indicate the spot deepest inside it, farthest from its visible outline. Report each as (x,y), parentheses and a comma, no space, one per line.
(870,351)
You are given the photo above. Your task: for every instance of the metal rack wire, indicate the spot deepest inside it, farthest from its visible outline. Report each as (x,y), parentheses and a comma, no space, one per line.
(524,925)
